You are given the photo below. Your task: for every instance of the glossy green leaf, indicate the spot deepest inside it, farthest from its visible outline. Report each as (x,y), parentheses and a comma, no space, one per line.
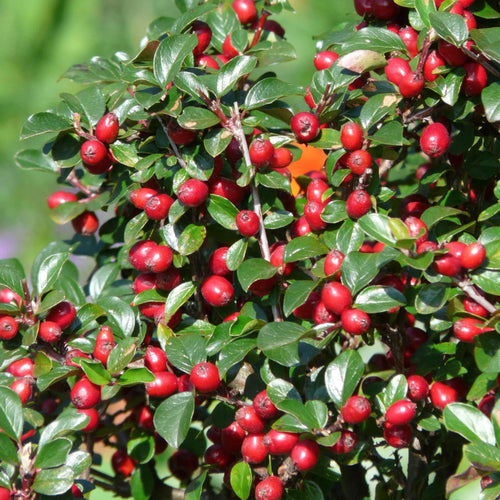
(102,279)
(469,422)
(66,423)
(135,376)
(197,118)
(12,274)
(487,41)
(278,390)
(44,123)
(278,219)
(172,418)
(252,270)
(48,271)
(395,390)
(120,314)
(121,355)
(11,413)
(424,8)
(186,351)
(378,40)
(296,294)
(430,298)
(232,71)
(349,237)
(233,353)
(142,482)
(376,108)
(487,352)
(53,453)
(58,373)
(216,141)
(195,487)
(358,269)
(483,456)
(343,375)
(34,159)
(178,297)
(269,90)
(191,239)
(222,211)
(490,98)
(53,482)
(334,212)
(361,60)
(236,254)
(451,27)
(241,480)
(376,299)
(448,86)
(8,451)
(304,247)
(487,280)
(134,227)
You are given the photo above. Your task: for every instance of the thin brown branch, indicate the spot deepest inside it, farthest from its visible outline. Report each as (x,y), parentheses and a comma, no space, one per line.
(74,181)
(79,130)
(173,146)
(466,286)
(486,65)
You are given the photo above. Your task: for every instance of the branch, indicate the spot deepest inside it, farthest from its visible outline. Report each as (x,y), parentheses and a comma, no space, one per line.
(470,291)
(79,130)
(260,27)
(429,37)
(74,181)
(173,145)
(486,65)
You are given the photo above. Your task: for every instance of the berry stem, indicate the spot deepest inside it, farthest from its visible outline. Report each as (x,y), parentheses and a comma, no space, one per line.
(481,61)
(466,286)
(79,130)
(173,146)
(74,181)
(260,27)
(429,38)
(31,317)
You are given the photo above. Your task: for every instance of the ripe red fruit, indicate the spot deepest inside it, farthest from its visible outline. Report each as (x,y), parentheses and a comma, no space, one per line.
(384,9)
(475,79)
(333,261)
(473,256)
(358,161)
(205,377)
(396,69)
(447,265)
(5,494)
(305,126)
(245,10)
(264,407)
(232,436)
(164,385)
(324,59)
(139,197)
(217,456)
(356,410)
(307,309)
(169,279)
(60,197)
(217,291)
(418,388)
(261,152)
(49,331)
(8,327)
(401,412)
(433,61)
(227,189)
(312,213)
(86,223)
(280,442)
(282,157)
(182,464)
(473,307)
(158,206)
(351,136)
(355,321)
(85,394)
(104,344)
(270,488)
(180,136)
(442,393)
(346,442)
(305,454)
(74,353)
(336,297)
(466,329)
(204,34)
(217,262)
(417,227)
(155,359)
(412,84)
(249,421)
(409,37)
(93,415)
(138,253)
(192,192)
(397,436)
(21,368)
(363,7)
(228,49)
(22,386)
(122,463)
(248,223)
(315,190)
(253,449)
(107,128)
(435,140)
(358,203)
(63,314)
(206,61)
(95,157)
(451,54)
(159,259)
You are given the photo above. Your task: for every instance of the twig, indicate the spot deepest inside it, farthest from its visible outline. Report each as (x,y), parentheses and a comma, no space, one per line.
(31,319)
(429,37)
(79,130)
(173,146)
(74,181)
(469,290)
(260,27)
(482,62)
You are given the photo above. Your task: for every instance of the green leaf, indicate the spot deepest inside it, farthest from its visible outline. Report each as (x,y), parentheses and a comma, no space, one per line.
(170,55)
(186,351)
(469,422)
(377,226)
(135,376)
(488,281)
(44,123)
(195,487)
(45,380)
(358,269)
(54,482)
(93,104)
(296,294)
(451,27)
(35,159)
(269,90)
(233,353)
(278,390)
(178,297)
(376,299)
(12,275)
(11,413)
(191,15)
(66,212)
(487,352)
(377,39)
(304,247)
(269,53)
(197,118)
(487,41)
(48,271)
(490,98)
(334,212)
(191,239)
(252,270)
(241,480)
(448,86)
(278,219)
(121,355)
(430,298)
(120,314)
(103,278)
(53,453)
(95,371)
(222,211)
(435,214)
(343,375)
(395,390)
(376,108)
(274,180)
(216,141)
(173,416)
(141,448)
(8,451)
(483,456)
(236,254)
(134,227)
(142,482)
(361,60)
(232,71)
(349,237)
(390,134)
(280,342)
(424,8)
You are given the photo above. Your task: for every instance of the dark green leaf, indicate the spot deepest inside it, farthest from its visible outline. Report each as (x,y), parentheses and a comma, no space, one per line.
(424,8)
(278,390)
(191,239)
(95,371)
(490,98)
(358,269)
(391,134)
(11,413)
(252,270)
(197,118)
(435,214)
(241,480)
(53,453)
(296,294)
(278,219)
(451,27)
(223,211)
(102,279)
(8,451)
(188,17)
(469,422)
(376,299)
(135,376)
(53,482)
(178,297)
(48,271)
(66,212)
(233,353)
(280,342)
(121,355)
(487,352)
(141,448)
(430,298)
(343,375)
(448,86)
(12,275)
(44,123)
(66,423)
(57,374)
(274,180)
(186,351)
(395,390)
(269,90)
(304,247)
(483,456)
(92,103)
(269,53)
(377,227)
(232,71)
(334,212)
(35,159)
(350,237)
(142,482)
(195,487)
(120,314)
(134,227)
(488,281)
(216,141)
(487,41)
(376,108)
(236,254)
(377,39)
(172,418)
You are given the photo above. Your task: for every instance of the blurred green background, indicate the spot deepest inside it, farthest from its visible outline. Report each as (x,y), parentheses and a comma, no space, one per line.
(40,40)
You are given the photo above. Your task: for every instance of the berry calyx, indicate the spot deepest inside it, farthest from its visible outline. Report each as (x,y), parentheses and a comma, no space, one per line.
(270,488)
(95,157)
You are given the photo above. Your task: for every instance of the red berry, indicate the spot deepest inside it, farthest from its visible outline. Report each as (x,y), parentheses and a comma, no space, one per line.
(475,79)
(217,291)
(204,34)
(397,436)
(435,140)
(351,137)
(409,37)
(384,9)
(193,192)
(333,261)
(8,327)
(315,190)
(182,464)
(5,494)
(63,314)
(308,308)
(355,321)
(122,463)
(363,7)
(412,84)
(433,61)
(282,157)
(261,152)
(139,197)
(466,329)
(159,259)
(217,262)
(358,203)
(228,49)
(164,385)
(253,448)
(205,377)
(324,315)
(60,197)
(49,331)
(22,386)
(206,61)
(21,368)
(227,189)
(169,279)
(305,126)
(248,420)
(7,296)
(104,344)
(158,206)
(74,353)
(85,394)
(416,229)
(473,307)
(305,454)
(401,412)
(93,415)
(245,10)
(473,256)
(217,456)
(248,223)
(447,265)
(180,136)
(270,488)
(155,359)
(312,213)
(442,393)
(356,410)
(280,442)
(264,407)
(451,54)
(346,442)
(95,157)
(85,224)
(232,436)
(396,69)
(358,161)
(336,297)
(138,253)
(107,128)
(277,259)
(324,59)
(418,388)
